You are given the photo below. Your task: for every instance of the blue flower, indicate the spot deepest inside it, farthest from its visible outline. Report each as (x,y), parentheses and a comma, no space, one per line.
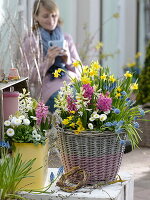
(127,99)
(141,111)
(120,123)
(4,144)
(108,124)
(114,123)
(116,111)
(119,130)
(136,125)
(123,93)
(122,142)
(60,170)
(52,176)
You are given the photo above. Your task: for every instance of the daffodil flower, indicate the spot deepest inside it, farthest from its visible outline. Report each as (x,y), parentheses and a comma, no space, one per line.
(102,117)
(134,86)
(128,74)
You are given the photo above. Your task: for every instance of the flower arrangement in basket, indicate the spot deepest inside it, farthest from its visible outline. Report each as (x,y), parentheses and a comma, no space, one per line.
(96,113)
(30,123)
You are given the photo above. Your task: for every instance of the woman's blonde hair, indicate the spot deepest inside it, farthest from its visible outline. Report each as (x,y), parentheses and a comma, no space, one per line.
(50,5)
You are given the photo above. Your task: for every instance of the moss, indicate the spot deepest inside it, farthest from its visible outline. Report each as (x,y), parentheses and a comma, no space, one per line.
(143,95)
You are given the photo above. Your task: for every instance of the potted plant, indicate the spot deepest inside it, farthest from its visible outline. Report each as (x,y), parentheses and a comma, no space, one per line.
(27,132)
(143,97)
(96,115)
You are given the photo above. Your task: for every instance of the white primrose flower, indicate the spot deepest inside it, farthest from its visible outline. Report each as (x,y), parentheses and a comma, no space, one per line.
(96,116)
(13,121)
(38,137)
(90,125)
(10,132)
(92,119)
(17,122)
(7,123)
(26,122)
(102,117)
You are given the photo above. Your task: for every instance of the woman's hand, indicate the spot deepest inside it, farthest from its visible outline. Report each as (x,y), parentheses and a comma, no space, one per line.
(52,53)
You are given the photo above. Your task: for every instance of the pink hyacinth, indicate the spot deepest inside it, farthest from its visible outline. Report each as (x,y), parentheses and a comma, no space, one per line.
(71,104)
(88,91)
(104,103)
(41,112)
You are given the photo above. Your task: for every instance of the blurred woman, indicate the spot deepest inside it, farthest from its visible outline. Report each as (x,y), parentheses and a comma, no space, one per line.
(46,49)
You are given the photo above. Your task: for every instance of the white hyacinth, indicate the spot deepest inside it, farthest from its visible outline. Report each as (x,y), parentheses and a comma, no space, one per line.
(10,132)
(7,123)
(102,117)
(90,125)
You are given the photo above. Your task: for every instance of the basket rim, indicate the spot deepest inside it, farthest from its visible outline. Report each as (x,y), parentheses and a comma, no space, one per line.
(90,133)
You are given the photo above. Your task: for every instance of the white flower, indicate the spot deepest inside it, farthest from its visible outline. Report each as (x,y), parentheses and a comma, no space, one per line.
(90,125)
(26,122)
(107,112)
(92,119)
(80,113)
(102,117)
(10,132)
(7,123)
(33,117)
(21,117)
(38,137)
(13,121)
(17,122)
(96,116)
(34,133)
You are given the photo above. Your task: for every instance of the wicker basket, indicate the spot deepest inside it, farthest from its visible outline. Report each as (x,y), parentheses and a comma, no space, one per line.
(145,127)
(100,154)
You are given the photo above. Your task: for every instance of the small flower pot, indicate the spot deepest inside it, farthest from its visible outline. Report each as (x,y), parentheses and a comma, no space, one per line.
(30,151)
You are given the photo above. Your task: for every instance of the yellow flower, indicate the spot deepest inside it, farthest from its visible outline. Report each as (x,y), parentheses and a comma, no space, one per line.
(95,65)
(131,64)
(76,63)
(65,121)
(76,131)
(72,111)
(93,72)
(112,79)
(79,123)
(138,54)
(119,89)
(134,86)
(56,73)
(85,80)
(128,74)
(118,95)
(72,125)
(99,45)
(70,118)
(103,77)
(85,69)
(81,128)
